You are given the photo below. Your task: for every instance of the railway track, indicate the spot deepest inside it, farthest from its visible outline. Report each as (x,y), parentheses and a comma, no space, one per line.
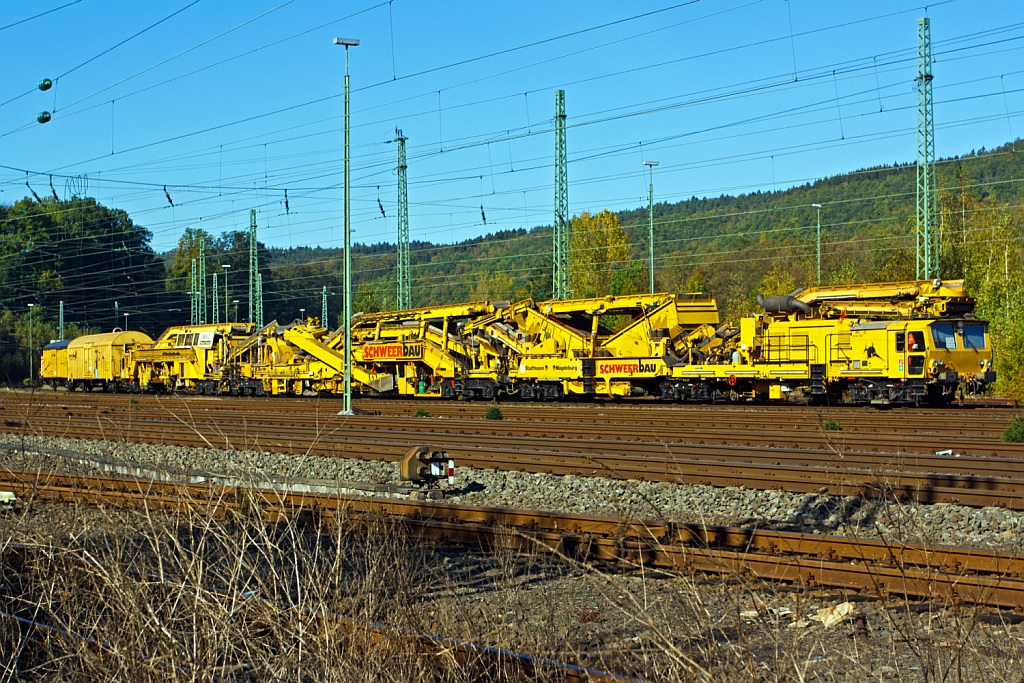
(873,567)
(794,458)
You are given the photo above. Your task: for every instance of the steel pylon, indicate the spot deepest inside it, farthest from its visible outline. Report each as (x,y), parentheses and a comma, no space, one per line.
(562,227)
(927,233)
(404,276)
(255,288)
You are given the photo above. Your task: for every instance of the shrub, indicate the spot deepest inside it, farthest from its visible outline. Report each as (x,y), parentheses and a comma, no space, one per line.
(493,413)
(1015,432)
(831,425)
(421,412)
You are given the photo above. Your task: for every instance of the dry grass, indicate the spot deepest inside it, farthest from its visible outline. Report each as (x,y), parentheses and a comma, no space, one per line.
(129,596)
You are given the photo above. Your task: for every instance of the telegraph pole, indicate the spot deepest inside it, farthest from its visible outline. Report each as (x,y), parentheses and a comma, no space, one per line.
(562,227)
(927,209)
(62,321)
(404,276)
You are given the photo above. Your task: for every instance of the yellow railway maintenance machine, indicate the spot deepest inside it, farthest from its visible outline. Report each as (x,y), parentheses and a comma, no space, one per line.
(189,358)
(882,344)
(610,346)
(298,359)
(432,351)
(94,361)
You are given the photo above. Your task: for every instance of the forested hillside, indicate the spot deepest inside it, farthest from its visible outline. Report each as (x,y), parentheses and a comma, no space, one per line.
(732,246)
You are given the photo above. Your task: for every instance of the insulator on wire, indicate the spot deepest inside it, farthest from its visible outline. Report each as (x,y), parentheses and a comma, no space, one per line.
(55,197)
(33,192)
(286,202)
(482,214)
(168,195)
(381,208)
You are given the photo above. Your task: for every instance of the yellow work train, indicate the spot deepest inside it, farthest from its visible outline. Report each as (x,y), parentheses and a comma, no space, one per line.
(882,344)
(94,361)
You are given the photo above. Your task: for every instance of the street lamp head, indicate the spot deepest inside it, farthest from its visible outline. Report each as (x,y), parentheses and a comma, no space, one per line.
(347,42)
(652,164)
(226,266)
(815,206)
(31,305)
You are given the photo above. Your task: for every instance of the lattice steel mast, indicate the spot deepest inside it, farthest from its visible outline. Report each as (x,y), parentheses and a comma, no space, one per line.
(194,294)
(404,276)
(201,308)
(927,234)
(561,274)
(255,288)
(323,309)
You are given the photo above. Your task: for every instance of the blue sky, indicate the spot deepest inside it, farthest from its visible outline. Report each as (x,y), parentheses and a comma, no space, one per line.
(232,103)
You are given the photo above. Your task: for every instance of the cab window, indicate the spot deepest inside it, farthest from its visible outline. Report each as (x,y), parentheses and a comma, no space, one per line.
(916,341)
(942,334)
(974,337)
(901,342)
(915,365)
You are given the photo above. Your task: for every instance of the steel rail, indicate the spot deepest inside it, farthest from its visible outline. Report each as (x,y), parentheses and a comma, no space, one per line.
(947,480)
(917,442)
(753,415)
(572,439)
(875,567)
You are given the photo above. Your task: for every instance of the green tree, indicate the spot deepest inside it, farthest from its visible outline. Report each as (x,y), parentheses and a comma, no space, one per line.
(598,245)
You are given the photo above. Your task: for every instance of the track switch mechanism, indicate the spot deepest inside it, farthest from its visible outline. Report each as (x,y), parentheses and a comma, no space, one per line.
(428,467)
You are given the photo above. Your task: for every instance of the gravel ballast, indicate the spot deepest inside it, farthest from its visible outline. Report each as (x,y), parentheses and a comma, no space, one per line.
(810,513)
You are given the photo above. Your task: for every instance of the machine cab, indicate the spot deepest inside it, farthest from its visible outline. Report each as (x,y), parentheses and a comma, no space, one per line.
(908,347)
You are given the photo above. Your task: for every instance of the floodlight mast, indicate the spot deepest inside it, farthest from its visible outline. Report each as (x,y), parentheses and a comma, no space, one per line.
(347,319)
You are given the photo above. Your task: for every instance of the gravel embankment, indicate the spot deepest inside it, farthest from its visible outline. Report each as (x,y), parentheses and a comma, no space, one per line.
(812,513)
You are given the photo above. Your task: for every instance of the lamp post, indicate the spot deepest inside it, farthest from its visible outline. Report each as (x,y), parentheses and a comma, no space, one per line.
(818,207)
(347,406)
(650,216)
(226,266)
(125,322)
(31,359)
(235,302)
(302,315)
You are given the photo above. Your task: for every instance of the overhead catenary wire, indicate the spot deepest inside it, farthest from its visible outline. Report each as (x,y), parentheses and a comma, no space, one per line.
(510,159)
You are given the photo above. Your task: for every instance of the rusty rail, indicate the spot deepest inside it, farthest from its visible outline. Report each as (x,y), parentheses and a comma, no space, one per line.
(871,566)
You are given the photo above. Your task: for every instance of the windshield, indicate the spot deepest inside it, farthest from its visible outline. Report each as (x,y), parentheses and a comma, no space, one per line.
(943,335)
(974,337)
